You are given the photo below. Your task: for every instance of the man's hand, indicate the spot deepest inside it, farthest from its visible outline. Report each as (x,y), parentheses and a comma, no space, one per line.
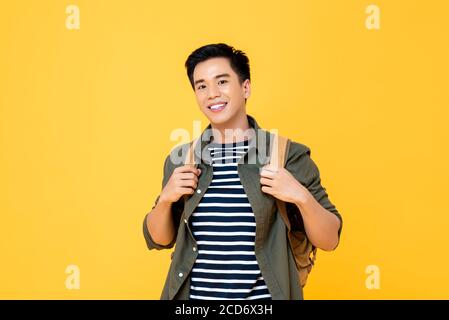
(320,225)
(280,183)
(183,180)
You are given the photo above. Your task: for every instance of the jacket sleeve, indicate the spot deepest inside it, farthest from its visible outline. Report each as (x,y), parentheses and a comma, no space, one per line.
(304,169)
(177,209)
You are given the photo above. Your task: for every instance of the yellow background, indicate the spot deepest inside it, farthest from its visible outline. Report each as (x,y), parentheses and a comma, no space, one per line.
(86,117)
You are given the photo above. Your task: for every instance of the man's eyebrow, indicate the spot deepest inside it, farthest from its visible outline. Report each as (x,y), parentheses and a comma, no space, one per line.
(216,77)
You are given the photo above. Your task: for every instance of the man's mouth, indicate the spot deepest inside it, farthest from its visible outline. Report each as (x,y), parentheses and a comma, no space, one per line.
(217,107)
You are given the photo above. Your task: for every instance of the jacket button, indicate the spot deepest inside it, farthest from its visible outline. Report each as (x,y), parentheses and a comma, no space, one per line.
(198,191)
(194,248)
(185,220)
(180,274)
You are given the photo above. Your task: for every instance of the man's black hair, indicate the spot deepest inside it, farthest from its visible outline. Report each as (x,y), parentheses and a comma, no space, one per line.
(237,58)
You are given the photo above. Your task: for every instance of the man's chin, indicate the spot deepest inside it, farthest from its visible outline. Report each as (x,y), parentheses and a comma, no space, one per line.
(218,118)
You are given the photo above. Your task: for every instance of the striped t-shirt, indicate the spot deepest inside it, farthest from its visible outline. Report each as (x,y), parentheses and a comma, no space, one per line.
(224,227)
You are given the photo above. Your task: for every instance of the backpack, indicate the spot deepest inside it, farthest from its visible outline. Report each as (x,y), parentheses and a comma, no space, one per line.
(303,250)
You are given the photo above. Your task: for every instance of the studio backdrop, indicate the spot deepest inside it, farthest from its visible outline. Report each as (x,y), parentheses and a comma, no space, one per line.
(91,93)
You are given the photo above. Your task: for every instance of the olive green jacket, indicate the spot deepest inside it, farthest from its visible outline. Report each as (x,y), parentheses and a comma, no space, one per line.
(272,250)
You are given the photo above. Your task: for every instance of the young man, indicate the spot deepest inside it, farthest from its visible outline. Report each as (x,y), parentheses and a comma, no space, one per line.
(231,242)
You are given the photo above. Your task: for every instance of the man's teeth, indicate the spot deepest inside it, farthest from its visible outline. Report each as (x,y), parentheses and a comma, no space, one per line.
(217,106)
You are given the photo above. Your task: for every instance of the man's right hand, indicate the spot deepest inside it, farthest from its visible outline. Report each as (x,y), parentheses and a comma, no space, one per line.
(183,180)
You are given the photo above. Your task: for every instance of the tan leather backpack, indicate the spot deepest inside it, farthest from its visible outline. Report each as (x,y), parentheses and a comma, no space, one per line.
(303,250)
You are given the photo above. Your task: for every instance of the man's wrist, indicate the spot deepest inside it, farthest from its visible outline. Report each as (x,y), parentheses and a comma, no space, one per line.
(303,198)
(163,201)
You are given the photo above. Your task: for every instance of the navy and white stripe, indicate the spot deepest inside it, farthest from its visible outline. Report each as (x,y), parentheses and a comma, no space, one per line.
(224,227)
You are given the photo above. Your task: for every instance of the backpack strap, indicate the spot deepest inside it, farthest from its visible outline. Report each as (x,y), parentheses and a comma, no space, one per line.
(278,155)
(279,151)
(190,156)
(190,159)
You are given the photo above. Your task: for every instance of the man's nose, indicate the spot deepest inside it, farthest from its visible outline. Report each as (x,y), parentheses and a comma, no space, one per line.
(213,92)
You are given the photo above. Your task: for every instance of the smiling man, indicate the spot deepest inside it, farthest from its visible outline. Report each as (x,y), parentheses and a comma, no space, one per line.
(231,242)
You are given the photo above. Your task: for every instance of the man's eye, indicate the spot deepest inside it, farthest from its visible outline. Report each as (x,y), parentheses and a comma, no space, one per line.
(222,81)
(201,87)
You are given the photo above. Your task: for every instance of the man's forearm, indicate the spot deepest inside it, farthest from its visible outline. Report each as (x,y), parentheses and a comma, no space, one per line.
(160,223)
(320,224)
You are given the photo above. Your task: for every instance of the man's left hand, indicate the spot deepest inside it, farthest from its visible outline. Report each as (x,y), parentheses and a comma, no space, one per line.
(280,183)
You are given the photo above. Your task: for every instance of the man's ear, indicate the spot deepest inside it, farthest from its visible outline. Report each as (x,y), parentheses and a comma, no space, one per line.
(246,88)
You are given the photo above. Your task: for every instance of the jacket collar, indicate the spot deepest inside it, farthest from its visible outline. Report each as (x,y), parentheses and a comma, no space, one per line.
(258,148)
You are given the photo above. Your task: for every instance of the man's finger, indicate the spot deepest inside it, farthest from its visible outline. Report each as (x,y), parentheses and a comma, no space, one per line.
(187,168)
(270,167)
(266,181)
(188,176)
(268,171)
(266,189)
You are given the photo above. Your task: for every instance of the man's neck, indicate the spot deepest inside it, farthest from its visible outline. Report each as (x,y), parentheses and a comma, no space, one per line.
(233,131)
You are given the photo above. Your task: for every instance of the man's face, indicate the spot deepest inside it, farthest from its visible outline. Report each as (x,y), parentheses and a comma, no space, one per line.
(218,91)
